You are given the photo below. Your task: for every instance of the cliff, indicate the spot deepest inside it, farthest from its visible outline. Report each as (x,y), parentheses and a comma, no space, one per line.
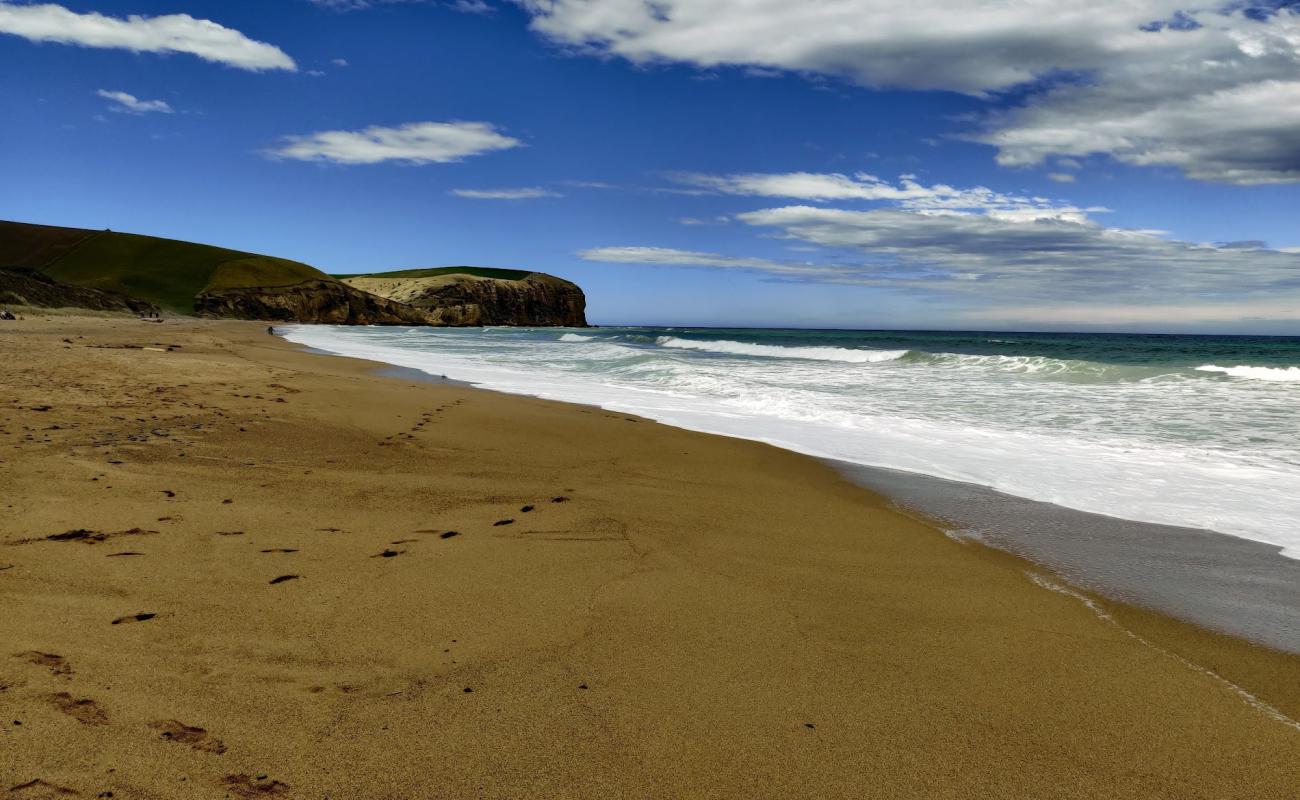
(468,296)
(325,301)
(29,288)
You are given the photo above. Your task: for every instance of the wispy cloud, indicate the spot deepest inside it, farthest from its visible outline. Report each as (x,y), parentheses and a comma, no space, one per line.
(522,193)
(130,104)
(172,33)
(907,192)
(668,256)
(473,7)
(412,143)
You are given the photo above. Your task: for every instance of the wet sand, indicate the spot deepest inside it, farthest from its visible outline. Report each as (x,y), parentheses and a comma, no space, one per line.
(230,568)
(1224,583)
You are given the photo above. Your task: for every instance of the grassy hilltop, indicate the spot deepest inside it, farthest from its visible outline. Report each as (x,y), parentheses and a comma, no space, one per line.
(166,272)
(436,272)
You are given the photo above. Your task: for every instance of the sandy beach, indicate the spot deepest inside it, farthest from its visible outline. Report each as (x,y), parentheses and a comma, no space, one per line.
(233,568)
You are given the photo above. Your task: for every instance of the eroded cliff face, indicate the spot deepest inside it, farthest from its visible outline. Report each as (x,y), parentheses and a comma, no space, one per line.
(467,300)
(28,288)
(324,301)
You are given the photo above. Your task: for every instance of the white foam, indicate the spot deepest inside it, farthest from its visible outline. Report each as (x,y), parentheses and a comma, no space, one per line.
(1255,373)
(574,337)
(844,354)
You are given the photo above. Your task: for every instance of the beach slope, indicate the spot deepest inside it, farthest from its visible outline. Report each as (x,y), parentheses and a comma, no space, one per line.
(232,568)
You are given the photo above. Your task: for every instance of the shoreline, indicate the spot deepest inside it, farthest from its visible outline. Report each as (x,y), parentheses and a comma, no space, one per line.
(703,615)
(786,433)
(1253,587)
(1224,583)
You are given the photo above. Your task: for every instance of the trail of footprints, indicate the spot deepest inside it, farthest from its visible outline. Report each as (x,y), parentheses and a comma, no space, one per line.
(426,418)
(87,711)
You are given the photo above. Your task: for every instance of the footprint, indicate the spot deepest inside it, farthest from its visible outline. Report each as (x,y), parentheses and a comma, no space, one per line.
(230,533)
(404,541)
(501,522)
(58,665)
(244,786)
(388,554)
(284,578)
(526,509)
(84,710)
(448,534)
(78,535)
(280,550)
(560,499)
(197,738)
(40,790)
(127,553)
(141,617)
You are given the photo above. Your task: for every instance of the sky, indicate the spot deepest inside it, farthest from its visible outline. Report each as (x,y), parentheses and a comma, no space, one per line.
(1128,165)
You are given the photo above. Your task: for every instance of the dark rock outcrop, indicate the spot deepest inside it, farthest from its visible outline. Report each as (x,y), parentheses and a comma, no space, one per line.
(322,301)
(459,299)
(22,287)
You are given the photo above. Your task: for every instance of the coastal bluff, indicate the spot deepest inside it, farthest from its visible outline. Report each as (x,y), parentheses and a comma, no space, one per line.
(467,296)
(47,266)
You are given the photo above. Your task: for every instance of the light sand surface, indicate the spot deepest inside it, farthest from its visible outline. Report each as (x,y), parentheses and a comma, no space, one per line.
(699,617)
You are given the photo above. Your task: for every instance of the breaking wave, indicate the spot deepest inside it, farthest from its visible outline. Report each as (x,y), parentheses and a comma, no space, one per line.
(847,355)
(1255,373)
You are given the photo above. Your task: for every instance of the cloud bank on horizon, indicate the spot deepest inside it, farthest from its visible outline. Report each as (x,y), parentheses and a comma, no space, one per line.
(976,242)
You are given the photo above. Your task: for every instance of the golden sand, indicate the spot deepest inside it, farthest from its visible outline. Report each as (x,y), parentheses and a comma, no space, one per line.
(227,569)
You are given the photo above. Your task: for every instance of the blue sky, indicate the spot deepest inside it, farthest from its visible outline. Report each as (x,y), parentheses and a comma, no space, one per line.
(832,163)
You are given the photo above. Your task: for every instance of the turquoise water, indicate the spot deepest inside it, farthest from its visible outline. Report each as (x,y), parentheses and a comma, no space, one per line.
(1195,431)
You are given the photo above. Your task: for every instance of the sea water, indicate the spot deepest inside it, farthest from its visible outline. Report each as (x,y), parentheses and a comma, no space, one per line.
(1191,431)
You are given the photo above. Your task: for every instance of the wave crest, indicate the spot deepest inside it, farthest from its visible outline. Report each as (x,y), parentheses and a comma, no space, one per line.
(727,347)
(574,337)
(1255,373)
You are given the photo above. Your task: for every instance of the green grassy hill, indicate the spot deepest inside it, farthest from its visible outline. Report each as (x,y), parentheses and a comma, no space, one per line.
(167,272)
(478,272)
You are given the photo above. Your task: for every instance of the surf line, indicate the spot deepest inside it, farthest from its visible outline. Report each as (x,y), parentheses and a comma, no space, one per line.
(1250,699)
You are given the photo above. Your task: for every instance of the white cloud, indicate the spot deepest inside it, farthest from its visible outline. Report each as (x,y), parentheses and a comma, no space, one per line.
(172,33)
(1214,93)
(667,256)
(974,46)
(907,192)
(339,62)
(523,193)
(1061,177)
(413,143)
(130,104)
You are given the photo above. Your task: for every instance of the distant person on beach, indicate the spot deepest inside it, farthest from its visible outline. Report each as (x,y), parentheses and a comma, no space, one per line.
(270,329)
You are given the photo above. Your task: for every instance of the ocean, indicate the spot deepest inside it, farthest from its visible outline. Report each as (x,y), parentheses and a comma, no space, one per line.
(1189,431)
